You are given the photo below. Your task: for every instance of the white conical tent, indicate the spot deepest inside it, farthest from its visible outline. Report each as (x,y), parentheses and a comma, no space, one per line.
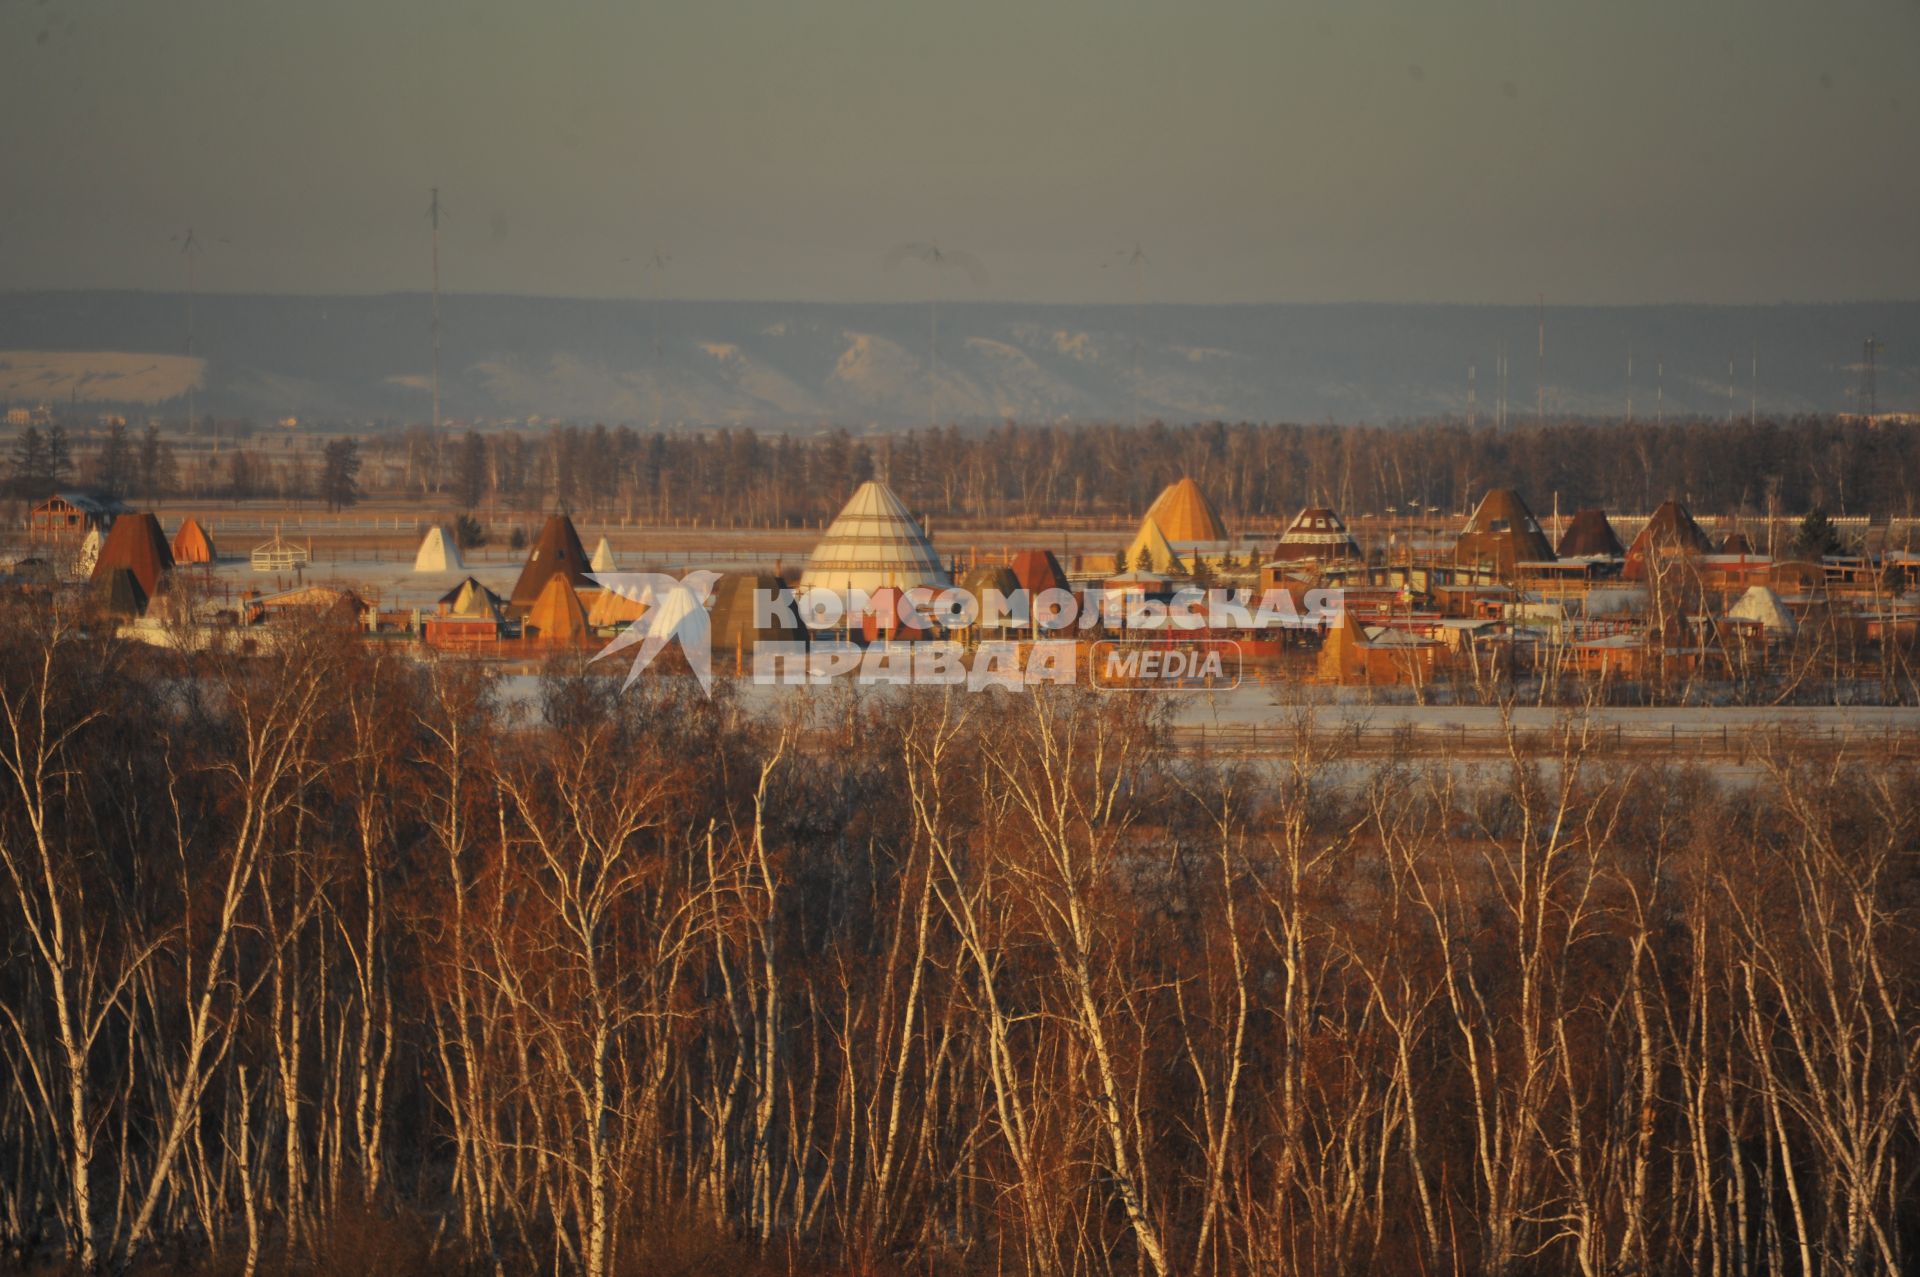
(439,552)
(874,544)
(603,558)
(1764,606)
(89,553)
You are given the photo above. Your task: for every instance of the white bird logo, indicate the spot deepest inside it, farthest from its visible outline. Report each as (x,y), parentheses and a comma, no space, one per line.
(675,609)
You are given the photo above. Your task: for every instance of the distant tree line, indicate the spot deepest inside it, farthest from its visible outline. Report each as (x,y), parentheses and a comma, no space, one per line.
(1015,471)
(1841,465)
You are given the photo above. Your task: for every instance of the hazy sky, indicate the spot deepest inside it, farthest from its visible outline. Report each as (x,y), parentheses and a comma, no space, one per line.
(1413,150)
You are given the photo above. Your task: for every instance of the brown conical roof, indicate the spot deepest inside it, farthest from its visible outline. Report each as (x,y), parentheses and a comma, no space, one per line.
(1184,514)
(557,553)
(1501,534)
(557,615)
(191,544)
(1038,570)
(1590,536)
(1671,531)
(1317,533)
(136,543)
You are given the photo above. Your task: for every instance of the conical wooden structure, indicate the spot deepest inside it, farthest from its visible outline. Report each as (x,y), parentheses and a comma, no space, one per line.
(470,598)
(1185,515)
(556,553)
(1670,533)
(1502,534)
(137,544)
(439,552)
(1038,571)
(1317,532)
(874,544)
(1157,546)
(1590,536)
(610,608)
(191,544)
(603,560)
(557,615)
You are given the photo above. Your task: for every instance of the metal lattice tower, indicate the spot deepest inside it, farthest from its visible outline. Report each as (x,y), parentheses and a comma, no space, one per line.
(1869,389)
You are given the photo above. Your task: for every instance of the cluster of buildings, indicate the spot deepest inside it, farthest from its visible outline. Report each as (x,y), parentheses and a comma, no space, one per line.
(1500,597)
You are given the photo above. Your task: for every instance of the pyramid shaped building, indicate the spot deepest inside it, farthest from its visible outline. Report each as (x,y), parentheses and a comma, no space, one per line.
(1670,533)
(557,553)
(1317,532)
(1185,515)
(439,552)
(1502,534)
(557,615)
(137,544)
(1590,536)
(874,544)
(1152,542)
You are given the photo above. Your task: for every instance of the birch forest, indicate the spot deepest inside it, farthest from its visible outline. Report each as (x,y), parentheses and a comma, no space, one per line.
(317,957)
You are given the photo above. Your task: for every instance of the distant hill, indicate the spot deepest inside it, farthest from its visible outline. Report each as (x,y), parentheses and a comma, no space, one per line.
(798,365)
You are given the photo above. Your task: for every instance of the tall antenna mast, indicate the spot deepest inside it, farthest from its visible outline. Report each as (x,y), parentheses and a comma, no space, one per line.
(1729,390)
(1629,385)
(433,215)
(1869,389)
(1500,387)
(1753,384)
(1472,405)
(190,250)
(1660,390)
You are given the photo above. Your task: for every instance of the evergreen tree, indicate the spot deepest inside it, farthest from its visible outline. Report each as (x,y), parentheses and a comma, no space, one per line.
(113,468)
(29,469)
(473,470)
(59,457)
(339,474)
(147,463)
(1817,536)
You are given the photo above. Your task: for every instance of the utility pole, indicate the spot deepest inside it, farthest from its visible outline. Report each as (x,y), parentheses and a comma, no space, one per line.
(1629,385)
(1472,405)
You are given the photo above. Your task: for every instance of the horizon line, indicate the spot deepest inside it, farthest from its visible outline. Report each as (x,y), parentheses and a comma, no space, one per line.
(956,302)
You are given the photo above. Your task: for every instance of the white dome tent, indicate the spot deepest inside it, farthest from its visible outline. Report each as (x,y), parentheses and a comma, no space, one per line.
(1762,606)
(874,544)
